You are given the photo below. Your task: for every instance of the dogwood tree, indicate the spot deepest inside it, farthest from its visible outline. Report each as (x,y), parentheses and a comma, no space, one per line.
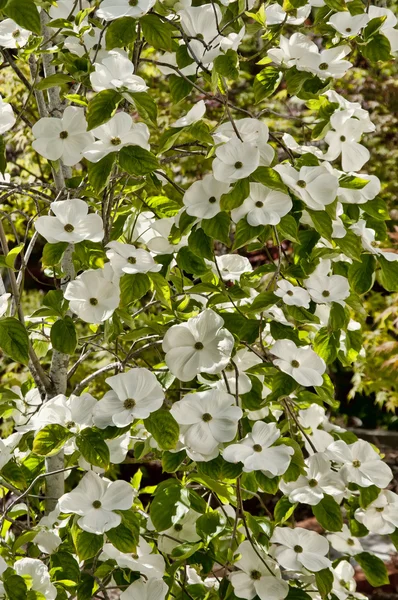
(201,358)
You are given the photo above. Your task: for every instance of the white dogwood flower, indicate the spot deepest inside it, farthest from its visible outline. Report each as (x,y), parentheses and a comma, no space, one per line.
(251,131)
(12,35)
(298,548)
(315,186)
(92,297)
(95,500)
(318,481)
(134,395)
(182,530)
(145,561)
(301,363)
(388,28)
(348,25)
(257,453)
(263,206)
(235,160)
(4,303)
(381,515)
(71,223)
(257,576)
(201,345)
(109,10)
(327,63)
(116,72)
(325,289)
(292,295)
(344,584)
(149,589)
(37,573)
(64,138)
(207,418)
(368,192)
(344,140)
(275,15)
(202,198)
(314,419)
(360,463)
(7,117)
(119,131)
(195,114)
(344,542)
(232,266)
(292,49)
(126,258)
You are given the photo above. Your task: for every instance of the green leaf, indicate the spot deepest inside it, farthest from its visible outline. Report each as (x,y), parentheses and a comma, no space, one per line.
(63,335)
(374,568)
(245,233)
(376,208)
(322,223)
(269,485)
(100,172)
(350,245)
(269,178)
(326,344)
(388,276)
(179,87)
(297,594)
(283,510)
(373,27)
(361,274)
(53,81)
(210,525)
(368,495)
(164,428)
(263,301)
(324,582)
(14,340)
(15,587)
(218,227)
(190,263)
(265,83)
(53,253)
(145,105)
(121,33)
(125,536)
(295,80)
(102,107)
(168,496)
(328,514)
(288,228)
(64,567)
(12,256)
(137,161)
(14,474)
(93,448)
(49,440)
(352,182)
(87,544)
(3,158)
(24,13)
(236,196)
(172,461)
(157,32)
(201,244)
(227,64)
(338,317)
(162,288)
(133,286)
(378,48)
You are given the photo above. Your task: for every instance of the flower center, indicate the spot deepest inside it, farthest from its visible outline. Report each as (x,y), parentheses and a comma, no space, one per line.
(200,36)
(301,183)
(259,204)
(93,301)
(16,33)
(379,508)
(116,141)
(348,29)
(133,2)
(212,199)
(323,66)
(342,138)
(238,164)
(97,504)
(356,463)
(69,424)
(206,417)
(255,575)
(312,483)
(257,448)
(298,549)
(295,364)
(289,293)
(325,293)
(177,527)
(132,260)
(63,135)
(350,542)
(69,228)
(129,403)
(198,346)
